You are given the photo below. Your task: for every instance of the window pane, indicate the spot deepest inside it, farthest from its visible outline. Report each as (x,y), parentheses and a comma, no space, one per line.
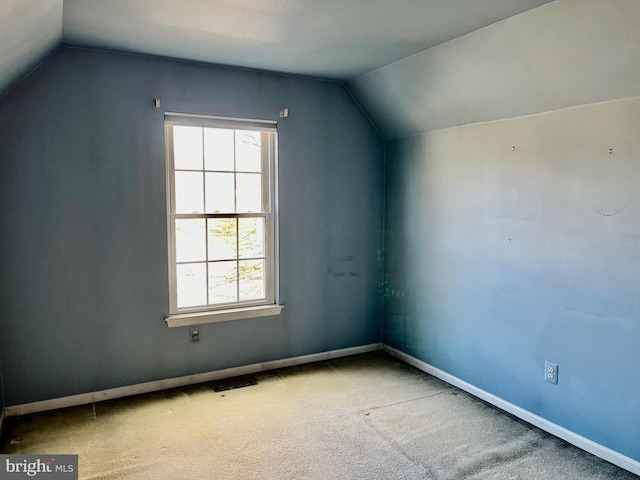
(251,279)
(223,282)
(251,241)
(189,197)
(223,240)
(192,284)
(220,192)
(248,151)
(218,149)
(187,148)
(249,192)
(190,240)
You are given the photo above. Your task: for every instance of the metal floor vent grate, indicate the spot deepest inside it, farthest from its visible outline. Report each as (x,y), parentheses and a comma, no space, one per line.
(233,384)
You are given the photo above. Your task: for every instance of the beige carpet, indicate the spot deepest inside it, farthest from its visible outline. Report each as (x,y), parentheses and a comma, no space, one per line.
(363,417)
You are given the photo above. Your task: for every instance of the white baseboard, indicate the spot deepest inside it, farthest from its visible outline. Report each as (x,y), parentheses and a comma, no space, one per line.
(93,397)
(579,441)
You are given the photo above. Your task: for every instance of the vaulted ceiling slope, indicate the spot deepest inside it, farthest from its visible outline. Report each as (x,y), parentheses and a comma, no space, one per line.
(336,39)
(324,38)
(29,31)
(563,54)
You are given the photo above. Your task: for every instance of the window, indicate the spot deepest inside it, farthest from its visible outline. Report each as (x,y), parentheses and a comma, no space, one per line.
(221,220)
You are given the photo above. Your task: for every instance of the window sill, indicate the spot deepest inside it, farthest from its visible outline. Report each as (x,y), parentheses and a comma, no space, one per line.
(198,318)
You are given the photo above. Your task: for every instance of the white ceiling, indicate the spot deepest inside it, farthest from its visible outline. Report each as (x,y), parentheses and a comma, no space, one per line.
(29,31)
(564,54)
(337,39)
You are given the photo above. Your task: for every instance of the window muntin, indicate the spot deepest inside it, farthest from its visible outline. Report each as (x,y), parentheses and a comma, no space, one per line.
(221,213)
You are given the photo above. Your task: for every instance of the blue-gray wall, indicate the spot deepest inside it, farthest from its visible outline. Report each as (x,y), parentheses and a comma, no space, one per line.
(508,258)
(83,250)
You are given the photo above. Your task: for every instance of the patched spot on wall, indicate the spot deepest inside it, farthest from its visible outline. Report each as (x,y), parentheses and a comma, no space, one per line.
(345,266)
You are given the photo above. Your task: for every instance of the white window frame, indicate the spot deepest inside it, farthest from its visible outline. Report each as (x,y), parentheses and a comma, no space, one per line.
(269,306)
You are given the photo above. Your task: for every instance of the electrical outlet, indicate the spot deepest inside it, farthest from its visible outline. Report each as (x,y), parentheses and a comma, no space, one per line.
(194,334)
(551,372)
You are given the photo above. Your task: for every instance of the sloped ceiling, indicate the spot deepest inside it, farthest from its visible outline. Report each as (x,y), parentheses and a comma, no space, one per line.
(328,38)
(29,31)
(563,54)
(336,39)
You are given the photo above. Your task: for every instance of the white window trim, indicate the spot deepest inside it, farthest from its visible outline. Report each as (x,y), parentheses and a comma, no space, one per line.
(211,314)
(214,316)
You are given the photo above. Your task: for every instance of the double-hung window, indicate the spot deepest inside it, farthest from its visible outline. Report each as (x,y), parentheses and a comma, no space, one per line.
(221,218)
